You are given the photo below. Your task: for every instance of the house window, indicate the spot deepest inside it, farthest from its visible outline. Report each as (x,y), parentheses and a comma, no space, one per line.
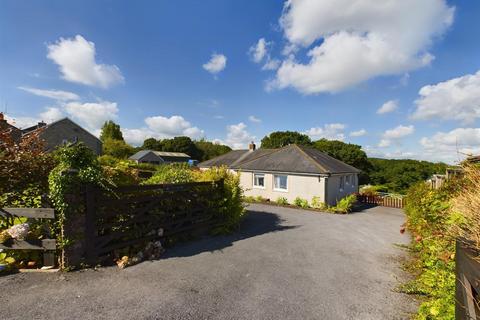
(280,182)
(259,180)
(342,183)
(347,179)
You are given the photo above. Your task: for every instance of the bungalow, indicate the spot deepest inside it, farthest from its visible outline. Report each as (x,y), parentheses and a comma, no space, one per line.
(290,172)
(13,132)
(159,157)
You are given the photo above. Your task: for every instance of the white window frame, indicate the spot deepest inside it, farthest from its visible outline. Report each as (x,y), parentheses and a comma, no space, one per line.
(253,182)
(280,189)
(342,183)
(348,180)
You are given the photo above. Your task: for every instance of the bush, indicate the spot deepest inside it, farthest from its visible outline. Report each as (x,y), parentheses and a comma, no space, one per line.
(232,207)
(302,203)
(430,220)
(345,205)
(317,203)
(121,174)
(281,201)
(172,173)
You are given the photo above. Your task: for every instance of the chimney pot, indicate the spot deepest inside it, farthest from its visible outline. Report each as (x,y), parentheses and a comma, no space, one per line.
(1,116)
(251,146)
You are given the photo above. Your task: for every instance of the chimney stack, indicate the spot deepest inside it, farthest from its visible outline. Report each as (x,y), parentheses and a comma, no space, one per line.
(251,146)
(1,116)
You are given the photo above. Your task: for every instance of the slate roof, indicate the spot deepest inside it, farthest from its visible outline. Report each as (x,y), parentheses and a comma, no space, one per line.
(292,158)
(140,154)
(36,127)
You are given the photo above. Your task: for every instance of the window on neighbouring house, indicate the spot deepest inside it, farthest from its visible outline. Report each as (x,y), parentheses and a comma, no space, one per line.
(259,180)
(280,182)
(347,179)
(342,183)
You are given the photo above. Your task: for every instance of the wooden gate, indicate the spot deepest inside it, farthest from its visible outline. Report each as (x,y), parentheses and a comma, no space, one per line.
(384,201)
(135,215)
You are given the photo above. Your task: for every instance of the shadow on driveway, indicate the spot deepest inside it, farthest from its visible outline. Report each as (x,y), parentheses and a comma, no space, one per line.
(254,224)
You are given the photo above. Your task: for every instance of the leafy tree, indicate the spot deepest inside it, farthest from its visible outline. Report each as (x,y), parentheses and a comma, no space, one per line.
(151,144)
(117,148)
(181,144)
(399,175)
(23,164)
(111,130)
(211,150)
(349,153)
(280,139)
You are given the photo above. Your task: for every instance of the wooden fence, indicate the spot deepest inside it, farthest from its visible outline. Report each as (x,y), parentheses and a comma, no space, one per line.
(467,291)
(385,201)
(135,215)
(48,246)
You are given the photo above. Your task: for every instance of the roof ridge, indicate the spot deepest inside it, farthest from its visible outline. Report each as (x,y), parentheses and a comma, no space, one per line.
(310,158)
(255,158)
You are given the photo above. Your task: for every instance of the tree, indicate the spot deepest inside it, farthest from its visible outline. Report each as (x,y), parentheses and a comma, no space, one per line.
(111,130)
(280,139)
(399,174)
(117,148)
(181,144)
(349,153)
(211,150)
(152,144)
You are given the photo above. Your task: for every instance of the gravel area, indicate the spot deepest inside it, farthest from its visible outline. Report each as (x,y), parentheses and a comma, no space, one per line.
(283,264)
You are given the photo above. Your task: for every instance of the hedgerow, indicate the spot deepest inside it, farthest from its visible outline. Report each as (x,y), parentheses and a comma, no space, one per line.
(431,221)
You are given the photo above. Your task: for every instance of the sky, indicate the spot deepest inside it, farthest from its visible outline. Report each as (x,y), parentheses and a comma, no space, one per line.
(399,77)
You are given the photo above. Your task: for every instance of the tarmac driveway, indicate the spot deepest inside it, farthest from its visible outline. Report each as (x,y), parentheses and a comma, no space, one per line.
(283,264)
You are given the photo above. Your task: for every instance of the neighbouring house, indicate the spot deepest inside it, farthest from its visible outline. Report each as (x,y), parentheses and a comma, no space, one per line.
(64,131)
(15,133)
(159,157)
(289,172)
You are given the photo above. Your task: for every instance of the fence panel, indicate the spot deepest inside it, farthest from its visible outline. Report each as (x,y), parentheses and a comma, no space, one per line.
(383,200)
(467,291)
(48,246)
(136,215)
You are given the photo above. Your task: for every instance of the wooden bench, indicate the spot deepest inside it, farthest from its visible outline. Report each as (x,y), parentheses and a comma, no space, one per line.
(48,246)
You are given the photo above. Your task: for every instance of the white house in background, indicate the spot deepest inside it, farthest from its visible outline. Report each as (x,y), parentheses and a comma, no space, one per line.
(290,172)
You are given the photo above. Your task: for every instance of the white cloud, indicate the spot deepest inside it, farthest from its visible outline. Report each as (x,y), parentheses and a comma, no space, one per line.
(51,114)
(271,64)
(332,131)
(217,63)
(254,119)
(92,114)
(237,136)
(160,127)
(455,99)
(359,40)
(76,60)
(395,134)
(396,154)
(52,94)
(388,106)
(21,122)
(452,146)
(259,50)
(358,133)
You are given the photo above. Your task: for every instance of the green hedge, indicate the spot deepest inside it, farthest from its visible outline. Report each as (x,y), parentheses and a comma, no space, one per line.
(430,221)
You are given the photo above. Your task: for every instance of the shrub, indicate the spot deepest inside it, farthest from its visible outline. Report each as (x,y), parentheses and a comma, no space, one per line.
(261,199)
(430,220)
(232,207)
(121,174)
(282,201)
(249,199)
(172,173)
(302,203)
(317,203)
(345,205)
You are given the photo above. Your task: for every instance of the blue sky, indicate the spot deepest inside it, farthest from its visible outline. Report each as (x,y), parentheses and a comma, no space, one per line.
(323,67)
